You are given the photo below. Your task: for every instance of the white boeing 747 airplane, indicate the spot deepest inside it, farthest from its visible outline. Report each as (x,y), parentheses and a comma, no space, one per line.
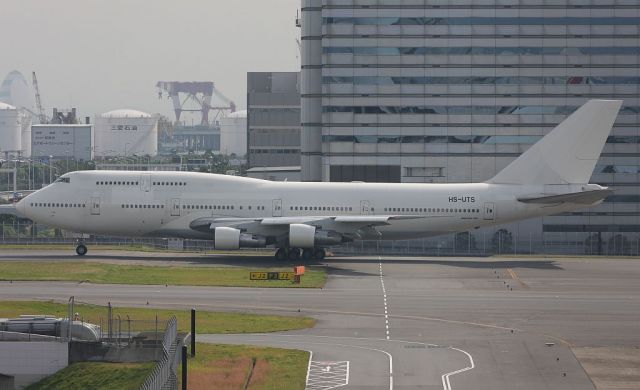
(301,219)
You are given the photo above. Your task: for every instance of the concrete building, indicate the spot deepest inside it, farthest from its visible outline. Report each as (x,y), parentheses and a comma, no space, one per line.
(273,119)
(233,134)
(441,91)
(197,139)
(26,362)
(62,141)
(125,133)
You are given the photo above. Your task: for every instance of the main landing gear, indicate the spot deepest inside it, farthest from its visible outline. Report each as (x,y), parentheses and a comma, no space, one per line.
(294,254)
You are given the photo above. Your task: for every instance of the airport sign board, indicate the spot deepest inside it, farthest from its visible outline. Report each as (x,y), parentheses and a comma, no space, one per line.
(271,275)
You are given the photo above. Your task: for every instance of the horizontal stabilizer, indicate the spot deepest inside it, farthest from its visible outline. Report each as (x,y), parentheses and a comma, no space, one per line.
(8,209)
(584,197)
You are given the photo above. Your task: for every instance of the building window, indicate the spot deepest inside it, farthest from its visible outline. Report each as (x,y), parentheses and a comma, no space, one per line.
(366,173)
(424,171)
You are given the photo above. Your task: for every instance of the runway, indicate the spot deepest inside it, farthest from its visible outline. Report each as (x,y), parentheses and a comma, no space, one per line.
(412,323)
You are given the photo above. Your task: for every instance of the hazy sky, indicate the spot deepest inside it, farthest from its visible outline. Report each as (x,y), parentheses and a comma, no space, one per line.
(100,55)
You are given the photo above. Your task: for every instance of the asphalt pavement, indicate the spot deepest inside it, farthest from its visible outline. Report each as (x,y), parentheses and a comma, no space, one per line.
(410,323)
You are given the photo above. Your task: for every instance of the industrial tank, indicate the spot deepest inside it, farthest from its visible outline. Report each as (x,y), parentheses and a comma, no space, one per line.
(126,132)
(10,128)
(233,134)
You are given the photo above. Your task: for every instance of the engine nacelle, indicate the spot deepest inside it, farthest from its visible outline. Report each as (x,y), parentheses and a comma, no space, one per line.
(305,236)
(226,238)
(229,238)
(301,235)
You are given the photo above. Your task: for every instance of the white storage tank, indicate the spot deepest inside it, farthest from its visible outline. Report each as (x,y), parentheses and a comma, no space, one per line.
(233,134)
(10,129)
(126,132)
(25,134)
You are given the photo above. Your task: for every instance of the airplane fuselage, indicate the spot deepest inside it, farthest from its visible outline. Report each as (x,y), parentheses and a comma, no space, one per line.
(164,204)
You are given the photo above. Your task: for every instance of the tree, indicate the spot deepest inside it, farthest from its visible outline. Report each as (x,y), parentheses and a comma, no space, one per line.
(502,241)
(618,245)
(593,244)
(465,242)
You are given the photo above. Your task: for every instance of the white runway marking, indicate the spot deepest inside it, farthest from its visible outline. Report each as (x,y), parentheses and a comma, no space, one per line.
(384,296)
(337,345)
(327,375)
(446,384)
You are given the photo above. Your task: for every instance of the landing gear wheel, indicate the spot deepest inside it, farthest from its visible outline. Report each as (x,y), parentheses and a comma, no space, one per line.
(319,254)
(281,254)
(307,254)
(81,250)
(294,254)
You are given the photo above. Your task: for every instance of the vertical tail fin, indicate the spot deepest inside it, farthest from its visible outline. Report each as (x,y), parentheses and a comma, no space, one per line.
(568,154)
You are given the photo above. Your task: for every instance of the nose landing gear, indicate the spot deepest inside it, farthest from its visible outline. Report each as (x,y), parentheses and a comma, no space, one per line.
(81,249)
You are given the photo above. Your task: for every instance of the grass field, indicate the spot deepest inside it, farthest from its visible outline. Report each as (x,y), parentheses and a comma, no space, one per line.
(93,375)
(227,367)
(206,322)
(94,272)
(216,366)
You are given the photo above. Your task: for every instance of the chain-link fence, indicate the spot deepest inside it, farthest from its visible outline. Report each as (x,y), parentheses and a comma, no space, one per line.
(165,374)
(483,242)
(500,242)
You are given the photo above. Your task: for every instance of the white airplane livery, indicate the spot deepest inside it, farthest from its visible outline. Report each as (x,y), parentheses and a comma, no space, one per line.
(302,218)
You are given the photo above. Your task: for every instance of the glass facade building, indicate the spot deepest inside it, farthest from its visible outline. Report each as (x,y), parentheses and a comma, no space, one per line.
(273,119)
(452,91)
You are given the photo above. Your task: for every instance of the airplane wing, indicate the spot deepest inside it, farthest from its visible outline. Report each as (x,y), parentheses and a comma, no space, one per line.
(348,224)
(583,197)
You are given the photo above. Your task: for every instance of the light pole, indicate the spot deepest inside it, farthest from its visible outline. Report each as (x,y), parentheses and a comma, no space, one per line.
(50,169)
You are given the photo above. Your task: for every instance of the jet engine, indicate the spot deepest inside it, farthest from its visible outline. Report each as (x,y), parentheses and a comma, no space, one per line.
(306,236)
(230,238)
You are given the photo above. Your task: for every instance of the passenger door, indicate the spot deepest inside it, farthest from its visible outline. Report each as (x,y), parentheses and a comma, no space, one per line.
(277,208)
(365,207)
(175,207)
(489,211)
(95,205)
(145,182)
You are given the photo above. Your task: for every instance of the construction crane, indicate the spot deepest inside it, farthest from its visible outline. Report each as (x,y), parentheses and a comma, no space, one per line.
(198,93)
(41,115)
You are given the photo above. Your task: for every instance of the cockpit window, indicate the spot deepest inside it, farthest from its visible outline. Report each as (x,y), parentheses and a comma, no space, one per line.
(63,180)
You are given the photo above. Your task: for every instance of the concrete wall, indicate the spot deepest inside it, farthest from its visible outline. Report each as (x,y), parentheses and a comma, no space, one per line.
(31,361)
